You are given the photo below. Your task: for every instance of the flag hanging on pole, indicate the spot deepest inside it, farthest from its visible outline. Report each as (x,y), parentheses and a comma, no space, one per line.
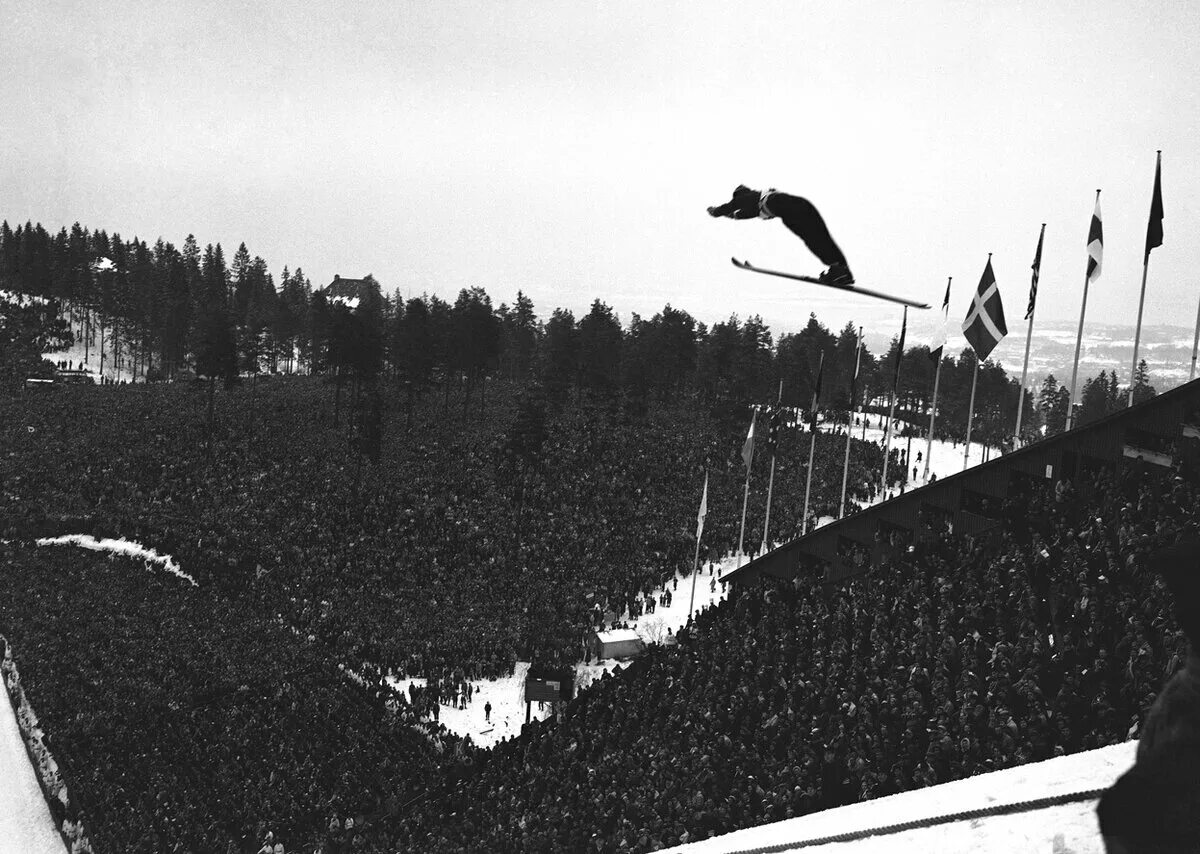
(703,510)
(817,391)
(984,325)
(774,417)
(939,337)
(899,353)
(1154,229)
(1037,271)
(748,448)
(1095,244)
(854,375)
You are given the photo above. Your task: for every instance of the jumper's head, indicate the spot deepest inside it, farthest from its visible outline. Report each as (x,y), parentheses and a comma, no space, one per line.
(743,205)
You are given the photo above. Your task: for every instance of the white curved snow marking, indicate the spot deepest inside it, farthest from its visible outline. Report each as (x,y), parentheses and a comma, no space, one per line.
(124,547)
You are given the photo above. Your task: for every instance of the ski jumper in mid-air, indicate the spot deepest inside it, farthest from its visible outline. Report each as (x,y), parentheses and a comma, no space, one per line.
(800,217)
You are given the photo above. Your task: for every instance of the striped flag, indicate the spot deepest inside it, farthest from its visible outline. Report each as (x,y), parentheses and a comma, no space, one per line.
(703,510)
(984,324)
(817,391)
(748,447)
(1037,271)
(1154,229)
(939,337)
(899,353)
(1095,244)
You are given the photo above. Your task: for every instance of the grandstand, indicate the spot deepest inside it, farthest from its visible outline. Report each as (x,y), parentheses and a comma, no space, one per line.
(982,498)
(1044,806)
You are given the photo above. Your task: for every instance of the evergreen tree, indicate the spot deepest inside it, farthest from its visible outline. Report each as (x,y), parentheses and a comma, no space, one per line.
(600,340)
(1142,390)
(560,356)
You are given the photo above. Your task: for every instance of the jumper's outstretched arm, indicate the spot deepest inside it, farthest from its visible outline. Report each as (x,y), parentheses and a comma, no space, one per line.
(734,210)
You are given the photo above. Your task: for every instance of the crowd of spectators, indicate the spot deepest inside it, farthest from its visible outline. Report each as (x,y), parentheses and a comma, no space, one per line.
(966,654)
(444,557)
(184,722)
(202,719)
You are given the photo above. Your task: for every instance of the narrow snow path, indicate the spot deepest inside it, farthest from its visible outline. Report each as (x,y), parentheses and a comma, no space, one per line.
(506,694)
(26,826)
(122,547)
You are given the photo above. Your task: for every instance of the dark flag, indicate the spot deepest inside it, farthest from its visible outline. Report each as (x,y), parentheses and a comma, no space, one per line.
(774,418)
(939,338)
(817,391)
(1037,271)
(1154,230)
(984,325)
(899,353)
(1095,245)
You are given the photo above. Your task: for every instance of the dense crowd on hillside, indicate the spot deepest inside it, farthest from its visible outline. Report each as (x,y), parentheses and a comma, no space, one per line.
(961,656)
(185,722)
(447,559)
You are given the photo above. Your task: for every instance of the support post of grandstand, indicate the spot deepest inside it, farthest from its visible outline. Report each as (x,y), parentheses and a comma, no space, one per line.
(937,376)
(850,425)
(970,413)
(1195,343)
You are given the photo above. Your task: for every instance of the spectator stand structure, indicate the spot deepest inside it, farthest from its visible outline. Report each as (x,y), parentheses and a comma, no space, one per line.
(1161,432)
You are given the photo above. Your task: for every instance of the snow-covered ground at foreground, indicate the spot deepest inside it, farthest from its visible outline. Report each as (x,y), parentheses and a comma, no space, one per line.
(1069,828)
(507,694)
(26,826)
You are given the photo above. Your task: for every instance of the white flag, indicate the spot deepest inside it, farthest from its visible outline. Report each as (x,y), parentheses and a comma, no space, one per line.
(703,510)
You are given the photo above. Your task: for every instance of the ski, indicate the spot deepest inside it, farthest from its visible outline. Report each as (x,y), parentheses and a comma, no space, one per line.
(746,265)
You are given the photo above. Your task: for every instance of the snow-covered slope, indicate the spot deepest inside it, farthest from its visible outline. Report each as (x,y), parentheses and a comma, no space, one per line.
(26,826)
(1069,828)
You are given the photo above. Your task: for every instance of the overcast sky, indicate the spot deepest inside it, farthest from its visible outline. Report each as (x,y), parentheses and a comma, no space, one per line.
(569,149)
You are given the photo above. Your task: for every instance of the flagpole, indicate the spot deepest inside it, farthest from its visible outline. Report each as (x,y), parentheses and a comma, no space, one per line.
(1195,344)
(1078,344)
(1028,338)
(970,413)
(812,447)
(1137,335)
(808,481)
(746,495)
(696,559)
(887,433)
(850,425)
(937,375)
(771,480)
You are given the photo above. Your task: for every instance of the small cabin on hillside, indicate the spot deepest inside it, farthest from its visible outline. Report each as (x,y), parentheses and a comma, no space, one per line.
(618,643)
(350,292)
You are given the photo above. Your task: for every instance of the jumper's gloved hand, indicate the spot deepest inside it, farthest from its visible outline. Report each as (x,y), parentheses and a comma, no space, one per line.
(743,205)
